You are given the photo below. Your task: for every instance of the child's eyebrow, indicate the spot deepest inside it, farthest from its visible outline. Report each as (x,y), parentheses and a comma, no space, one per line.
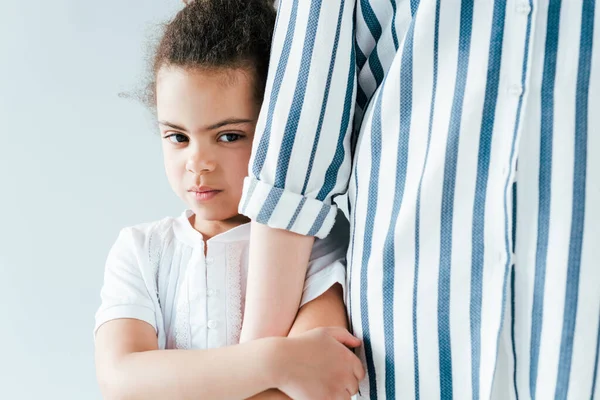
(171,125)
(228,121)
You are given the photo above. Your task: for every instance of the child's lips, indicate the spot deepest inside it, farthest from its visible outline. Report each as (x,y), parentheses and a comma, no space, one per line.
(205,195)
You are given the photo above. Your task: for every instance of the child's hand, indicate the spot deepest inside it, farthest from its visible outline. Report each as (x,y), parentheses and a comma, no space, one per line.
(317,365)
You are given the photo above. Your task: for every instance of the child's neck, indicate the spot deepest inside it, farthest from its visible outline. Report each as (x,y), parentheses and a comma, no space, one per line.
(210,229)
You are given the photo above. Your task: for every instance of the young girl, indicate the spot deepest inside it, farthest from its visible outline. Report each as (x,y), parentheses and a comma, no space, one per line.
(171,313)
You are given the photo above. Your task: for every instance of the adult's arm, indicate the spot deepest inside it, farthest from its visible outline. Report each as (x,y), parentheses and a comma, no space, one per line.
(301,156)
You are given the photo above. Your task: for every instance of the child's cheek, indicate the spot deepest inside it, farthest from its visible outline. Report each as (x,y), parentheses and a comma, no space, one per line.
(174,174)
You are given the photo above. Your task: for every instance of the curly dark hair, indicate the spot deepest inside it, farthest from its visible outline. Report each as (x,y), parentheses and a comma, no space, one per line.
(217,34)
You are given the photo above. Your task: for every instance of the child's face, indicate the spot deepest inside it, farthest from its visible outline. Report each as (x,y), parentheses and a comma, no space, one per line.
(207,121)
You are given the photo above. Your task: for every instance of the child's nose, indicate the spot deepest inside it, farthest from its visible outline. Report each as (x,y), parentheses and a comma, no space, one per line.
(200,162)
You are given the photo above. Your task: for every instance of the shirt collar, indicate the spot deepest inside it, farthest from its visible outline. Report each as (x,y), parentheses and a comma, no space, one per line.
(185,232)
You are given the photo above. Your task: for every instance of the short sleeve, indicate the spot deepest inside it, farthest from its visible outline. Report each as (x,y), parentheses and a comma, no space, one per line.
(327,265)
(124,293)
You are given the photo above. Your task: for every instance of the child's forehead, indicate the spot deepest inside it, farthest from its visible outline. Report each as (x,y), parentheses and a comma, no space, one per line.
(207,82)
(198,97)
(223,76)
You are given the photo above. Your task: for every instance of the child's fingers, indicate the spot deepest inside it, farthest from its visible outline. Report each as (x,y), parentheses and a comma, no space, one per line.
(352,387)
(343,336)
(359,370)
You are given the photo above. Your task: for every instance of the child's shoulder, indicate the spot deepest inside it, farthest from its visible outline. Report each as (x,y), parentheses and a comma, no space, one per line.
(148,235)
(164,224)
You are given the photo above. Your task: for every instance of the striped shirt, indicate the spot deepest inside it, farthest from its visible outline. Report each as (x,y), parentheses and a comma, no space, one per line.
(466,136)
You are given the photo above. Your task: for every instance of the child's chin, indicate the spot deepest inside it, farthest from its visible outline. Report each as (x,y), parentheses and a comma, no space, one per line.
(213,213)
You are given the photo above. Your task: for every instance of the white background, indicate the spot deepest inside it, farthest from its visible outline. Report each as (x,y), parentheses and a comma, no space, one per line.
(77,163)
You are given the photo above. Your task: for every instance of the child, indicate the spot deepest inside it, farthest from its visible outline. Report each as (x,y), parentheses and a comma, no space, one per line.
(171,313)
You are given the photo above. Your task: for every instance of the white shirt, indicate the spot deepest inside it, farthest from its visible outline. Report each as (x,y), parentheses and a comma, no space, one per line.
(157,273)
(462,284)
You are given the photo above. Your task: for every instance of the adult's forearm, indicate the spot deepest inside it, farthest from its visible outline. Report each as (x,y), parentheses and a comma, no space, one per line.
(278,263)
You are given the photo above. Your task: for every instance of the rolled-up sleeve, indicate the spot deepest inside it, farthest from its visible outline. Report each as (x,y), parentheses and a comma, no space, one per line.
(301,153)
(327,265)
(124,292)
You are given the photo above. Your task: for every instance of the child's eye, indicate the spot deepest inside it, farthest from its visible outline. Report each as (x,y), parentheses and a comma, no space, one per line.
(230,137)
(176,138)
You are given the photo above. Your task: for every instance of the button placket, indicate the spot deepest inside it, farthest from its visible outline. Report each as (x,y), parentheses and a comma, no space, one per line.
(523,8)
(515,90)
(197,302)
(519,21)
(215,297)
(212,324)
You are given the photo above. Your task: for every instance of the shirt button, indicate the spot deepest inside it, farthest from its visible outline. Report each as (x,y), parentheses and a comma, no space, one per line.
(212,324)
(211,292)
(523,8)
(515,90)
(209,260)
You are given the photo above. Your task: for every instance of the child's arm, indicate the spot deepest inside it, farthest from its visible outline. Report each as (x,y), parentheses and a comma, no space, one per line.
(314,365)
(327,310)
(130,366)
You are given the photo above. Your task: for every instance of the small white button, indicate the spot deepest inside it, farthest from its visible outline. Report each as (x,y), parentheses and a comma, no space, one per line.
(209,260)
(212,324)
(500,256)
(515,90)
(523,8)
(211,292)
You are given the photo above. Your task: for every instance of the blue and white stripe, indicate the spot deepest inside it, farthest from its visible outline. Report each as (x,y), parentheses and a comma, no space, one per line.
(460,285)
